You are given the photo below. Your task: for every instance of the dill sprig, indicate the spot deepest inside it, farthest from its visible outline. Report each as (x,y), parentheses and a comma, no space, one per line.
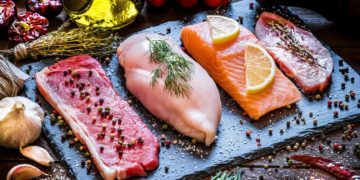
(179,69)
(290,42)
(228,175)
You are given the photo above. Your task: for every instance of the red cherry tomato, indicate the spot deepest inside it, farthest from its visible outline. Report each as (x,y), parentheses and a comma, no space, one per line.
(187,4)
(156,3)
(216,3)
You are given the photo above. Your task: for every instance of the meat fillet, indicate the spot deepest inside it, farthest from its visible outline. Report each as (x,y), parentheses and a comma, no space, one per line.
(196,115)
(119,142)
(297,52)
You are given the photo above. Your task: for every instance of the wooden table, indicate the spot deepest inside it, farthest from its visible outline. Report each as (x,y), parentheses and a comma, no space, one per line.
(343,43)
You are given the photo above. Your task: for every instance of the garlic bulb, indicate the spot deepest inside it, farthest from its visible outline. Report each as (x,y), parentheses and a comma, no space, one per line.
(20,121)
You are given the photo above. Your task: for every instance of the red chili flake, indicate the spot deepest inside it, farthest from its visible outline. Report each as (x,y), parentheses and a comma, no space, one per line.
(101,149)
(321,148)
(337,147)
(258,140)
(90,73)
(167,143)
(329,103)
(248,133)
(244,114)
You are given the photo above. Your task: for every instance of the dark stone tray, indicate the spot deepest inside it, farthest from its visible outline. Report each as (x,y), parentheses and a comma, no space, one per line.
(232,146)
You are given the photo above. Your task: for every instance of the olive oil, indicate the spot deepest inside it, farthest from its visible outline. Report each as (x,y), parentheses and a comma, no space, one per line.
(108,14)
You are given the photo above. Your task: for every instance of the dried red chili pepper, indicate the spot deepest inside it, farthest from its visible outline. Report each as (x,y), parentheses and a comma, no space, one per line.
(7,12)
(332,167)
(47,8)
(28,27)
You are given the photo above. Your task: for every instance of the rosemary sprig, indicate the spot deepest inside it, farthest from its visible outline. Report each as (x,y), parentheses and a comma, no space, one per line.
(228,175)
(290,42)
(179,69)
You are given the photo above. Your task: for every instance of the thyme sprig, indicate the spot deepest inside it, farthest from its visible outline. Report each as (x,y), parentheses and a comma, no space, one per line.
(66,41)
(289,42)
(228,175)
(178,68)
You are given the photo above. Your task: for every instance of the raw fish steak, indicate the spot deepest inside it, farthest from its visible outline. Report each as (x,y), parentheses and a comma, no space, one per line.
(119,142)
(196,115)
(298,53)
(225,64)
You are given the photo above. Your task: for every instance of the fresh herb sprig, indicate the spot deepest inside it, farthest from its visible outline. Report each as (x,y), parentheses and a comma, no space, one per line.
(228,175)
(291,43)
(179,69)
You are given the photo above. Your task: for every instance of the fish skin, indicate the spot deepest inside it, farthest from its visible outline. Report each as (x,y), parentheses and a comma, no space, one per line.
(225,64)
(310,78)
(197,115)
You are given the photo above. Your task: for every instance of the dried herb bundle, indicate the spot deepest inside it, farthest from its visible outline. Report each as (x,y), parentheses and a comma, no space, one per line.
(11,78)
(63,42)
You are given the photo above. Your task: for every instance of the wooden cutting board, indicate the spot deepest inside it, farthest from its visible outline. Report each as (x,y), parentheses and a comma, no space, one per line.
(186,160)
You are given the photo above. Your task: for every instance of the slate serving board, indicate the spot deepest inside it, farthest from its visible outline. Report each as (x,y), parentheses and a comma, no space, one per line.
(186,160)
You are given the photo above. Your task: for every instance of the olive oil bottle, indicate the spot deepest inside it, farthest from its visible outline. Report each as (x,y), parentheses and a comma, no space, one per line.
(107,14)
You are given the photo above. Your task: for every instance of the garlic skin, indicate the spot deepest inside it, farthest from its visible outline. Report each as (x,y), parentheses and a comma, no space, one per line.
(24,171)
(20,121)
(37,154)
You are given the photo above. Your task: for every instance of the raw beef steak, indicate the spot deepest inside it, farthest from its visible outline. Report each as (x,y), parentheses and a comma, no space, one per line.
(119,142)
(298,53)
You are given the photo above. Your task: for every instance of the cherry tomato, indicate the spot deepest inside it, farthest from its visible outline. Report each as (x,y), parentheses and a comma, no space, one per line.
(216,3)
(156,3)
(187,4)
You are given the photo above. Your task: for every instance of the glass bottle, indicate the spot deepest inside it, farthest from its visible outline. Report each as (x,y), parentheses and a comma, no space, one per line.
(107,14)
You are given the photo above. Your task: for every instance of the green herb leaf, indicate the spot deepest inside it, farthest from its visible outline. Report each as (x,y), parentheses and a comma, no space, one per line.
(234,174)
(179,69)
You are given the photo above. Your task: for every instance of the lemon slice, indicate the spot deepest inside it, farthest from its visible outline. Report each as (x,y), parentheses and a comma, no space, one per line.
(259,68)
(222,29)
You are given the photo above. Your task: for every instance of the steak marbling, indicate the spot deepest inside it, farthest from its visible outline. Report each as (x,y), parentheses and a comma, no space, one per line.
(119,142)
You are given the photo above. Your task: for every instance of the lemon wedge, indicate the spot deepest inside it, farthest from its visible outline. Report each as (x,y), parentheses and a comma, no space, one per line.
(222,29)
(259,68)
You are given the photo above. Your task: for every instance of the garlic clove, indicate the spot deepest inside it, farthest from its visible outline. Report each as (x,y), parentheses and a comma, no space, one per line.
(24,171)
(37,154)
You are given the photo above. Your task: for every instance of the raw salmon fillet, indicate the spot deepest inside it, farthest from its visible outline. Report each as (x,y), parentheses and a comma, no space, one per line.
(119,142)
(300,55)
(225,64)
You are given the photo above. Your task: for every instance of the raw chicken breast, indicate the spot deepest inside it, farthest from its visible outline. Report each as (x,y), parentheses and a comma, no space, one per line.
(196,115)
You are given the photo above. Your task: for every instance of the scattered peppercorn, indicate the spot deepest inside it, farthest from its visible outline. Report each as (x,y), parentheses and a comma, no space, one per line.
(281,131)
(270,131)
(352,79)
(248,133)
(164,126)
(321,148)
(341,62)
(342,85)
(352,94)
(336,114)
